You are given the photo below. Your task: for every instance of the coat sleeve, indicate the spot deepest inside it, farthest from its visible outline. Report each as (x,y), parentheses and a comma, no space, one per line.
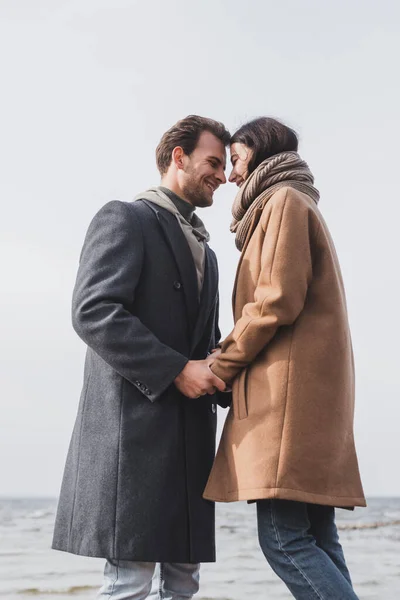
(279,297)
(109,271)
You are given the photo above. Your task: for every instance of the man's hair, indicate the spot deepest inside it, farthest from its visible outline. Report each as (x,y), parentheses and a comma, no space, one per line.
(266,137)
(186,133)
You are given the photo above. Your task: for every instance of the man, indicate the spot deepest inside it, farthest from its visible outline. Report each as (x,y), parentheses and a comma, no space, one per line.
(145,303)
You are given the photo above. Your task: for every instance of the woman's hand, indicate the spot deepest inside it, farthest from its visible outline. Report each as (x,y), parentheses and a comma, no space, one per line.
(196,379)
(211,359)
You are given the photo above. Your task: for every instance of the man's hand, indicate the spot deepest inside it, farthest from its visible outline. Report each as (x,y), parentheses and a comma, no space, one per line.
(211,357)
(197,379)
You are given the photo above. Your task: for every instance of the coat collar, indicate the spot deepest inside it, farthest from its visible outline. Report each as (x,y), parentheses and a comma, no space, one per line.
(254,222)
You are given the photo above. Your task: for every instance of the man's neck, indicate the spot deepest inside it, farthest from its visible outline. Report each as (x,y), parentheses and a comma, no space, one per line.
(185,208)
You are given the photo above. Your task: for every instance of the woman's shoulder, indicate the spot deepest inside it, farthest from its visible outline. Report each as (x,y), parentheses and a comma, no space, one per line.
(291,196)
(292,199)
(290,203)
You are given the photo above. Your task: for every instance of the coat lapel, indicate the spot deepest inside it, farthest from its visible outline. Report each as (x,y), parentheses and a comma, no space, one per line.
(254,223)
(183,258)
(208,296)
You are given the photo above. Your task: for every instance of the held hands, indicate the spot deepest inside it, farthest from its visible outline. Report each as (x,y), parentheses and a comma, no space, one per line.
(197,379)
(211,357)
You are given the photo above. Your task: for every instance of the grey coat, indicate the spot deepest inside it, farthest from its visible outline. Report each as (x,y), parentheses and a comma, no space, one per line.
(141,452)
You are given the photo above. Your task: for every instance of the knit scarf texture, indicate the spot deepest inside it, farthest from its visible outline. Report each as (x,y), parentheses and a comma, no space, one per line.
(286,169)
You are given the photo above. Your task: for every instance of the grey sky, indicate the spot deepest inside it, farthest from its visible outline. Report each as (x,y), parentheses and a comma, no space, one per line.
(89,86)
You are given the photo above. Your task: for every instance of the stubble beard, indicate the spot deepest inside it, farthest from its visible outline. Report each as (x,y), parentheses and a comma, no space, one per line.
(194,192)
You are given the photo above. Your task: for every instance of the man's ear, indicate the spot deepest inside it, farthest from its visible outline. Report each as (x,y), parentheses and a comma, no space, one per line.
(177,157)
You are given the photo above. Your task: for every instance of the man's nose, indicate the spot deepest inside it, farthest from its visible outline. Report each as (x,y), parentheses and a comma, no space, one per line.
(221,176)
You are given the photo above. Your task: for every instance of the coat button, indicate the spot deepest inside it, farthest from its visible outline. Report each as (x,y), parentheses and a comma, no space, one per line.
(214,408)
(177,285)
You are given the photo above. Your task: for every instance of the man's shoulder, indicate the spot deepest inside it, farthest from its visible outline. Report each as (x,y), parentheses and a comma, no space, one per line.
(146,208)
(119,214)
(136,209)
(212,256)
(211,251)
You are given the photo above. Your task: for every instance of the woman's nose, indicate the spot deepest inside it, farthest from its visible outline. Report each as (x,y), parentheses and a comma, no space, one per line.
(232,176)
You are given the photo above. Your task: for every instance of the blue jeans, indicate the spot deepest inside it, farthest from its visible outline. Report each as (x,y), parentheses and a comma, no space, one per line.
(128,580)
(301,544)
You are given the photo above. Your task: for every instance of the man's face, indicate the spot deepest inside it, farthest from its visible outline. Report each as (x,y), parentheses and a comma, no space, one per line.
(203,171)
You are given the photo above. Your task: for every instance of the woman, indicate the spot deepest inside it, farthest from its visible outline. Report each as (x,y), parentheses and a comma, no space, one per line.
(288,439)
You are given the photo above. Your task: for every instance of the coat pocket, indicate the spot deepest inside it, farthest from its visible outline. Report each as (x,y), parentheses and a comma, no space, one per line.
(239,396)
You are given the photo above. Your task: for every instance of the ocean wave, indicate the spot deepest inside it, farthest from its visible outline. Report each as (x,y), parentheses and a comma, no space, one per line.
(76,589)
(374,525)
(39,514)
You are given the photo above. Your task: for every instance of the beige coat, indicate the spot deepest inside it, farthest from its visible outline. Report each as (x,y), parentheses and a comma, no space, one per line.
(289,432)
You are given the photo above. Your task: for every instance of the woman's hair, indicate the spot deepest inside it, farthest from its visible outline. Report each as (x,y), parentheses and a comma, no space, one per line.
(266,137)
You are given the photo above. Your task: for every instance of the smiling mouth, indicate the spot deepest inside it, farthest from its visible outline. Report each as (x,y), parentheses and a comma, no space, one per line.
(211,187)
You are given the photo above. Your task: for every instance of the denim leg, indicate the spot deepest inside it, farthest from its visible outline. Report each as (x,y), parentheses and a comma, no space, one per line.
(179,581)
(126,580)
(323,528)
(292,552)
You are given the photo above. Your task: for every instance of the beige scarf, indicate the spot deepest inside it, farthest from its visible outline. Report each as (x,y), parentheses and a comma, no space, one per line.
(195,232)
(286,169)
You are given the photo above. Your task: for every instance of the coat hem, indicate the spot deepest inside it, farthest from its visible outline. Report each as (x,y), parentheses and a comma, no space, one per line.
(136,557)
(287,494)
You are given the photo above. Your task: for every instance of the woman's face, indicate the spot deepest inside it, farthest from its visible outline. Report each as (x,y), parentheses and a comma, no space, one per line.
(240,158)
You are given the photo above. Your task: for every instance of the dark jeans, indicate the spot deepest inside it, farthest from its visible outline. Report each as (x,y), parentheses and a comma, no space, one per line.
(301,544)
